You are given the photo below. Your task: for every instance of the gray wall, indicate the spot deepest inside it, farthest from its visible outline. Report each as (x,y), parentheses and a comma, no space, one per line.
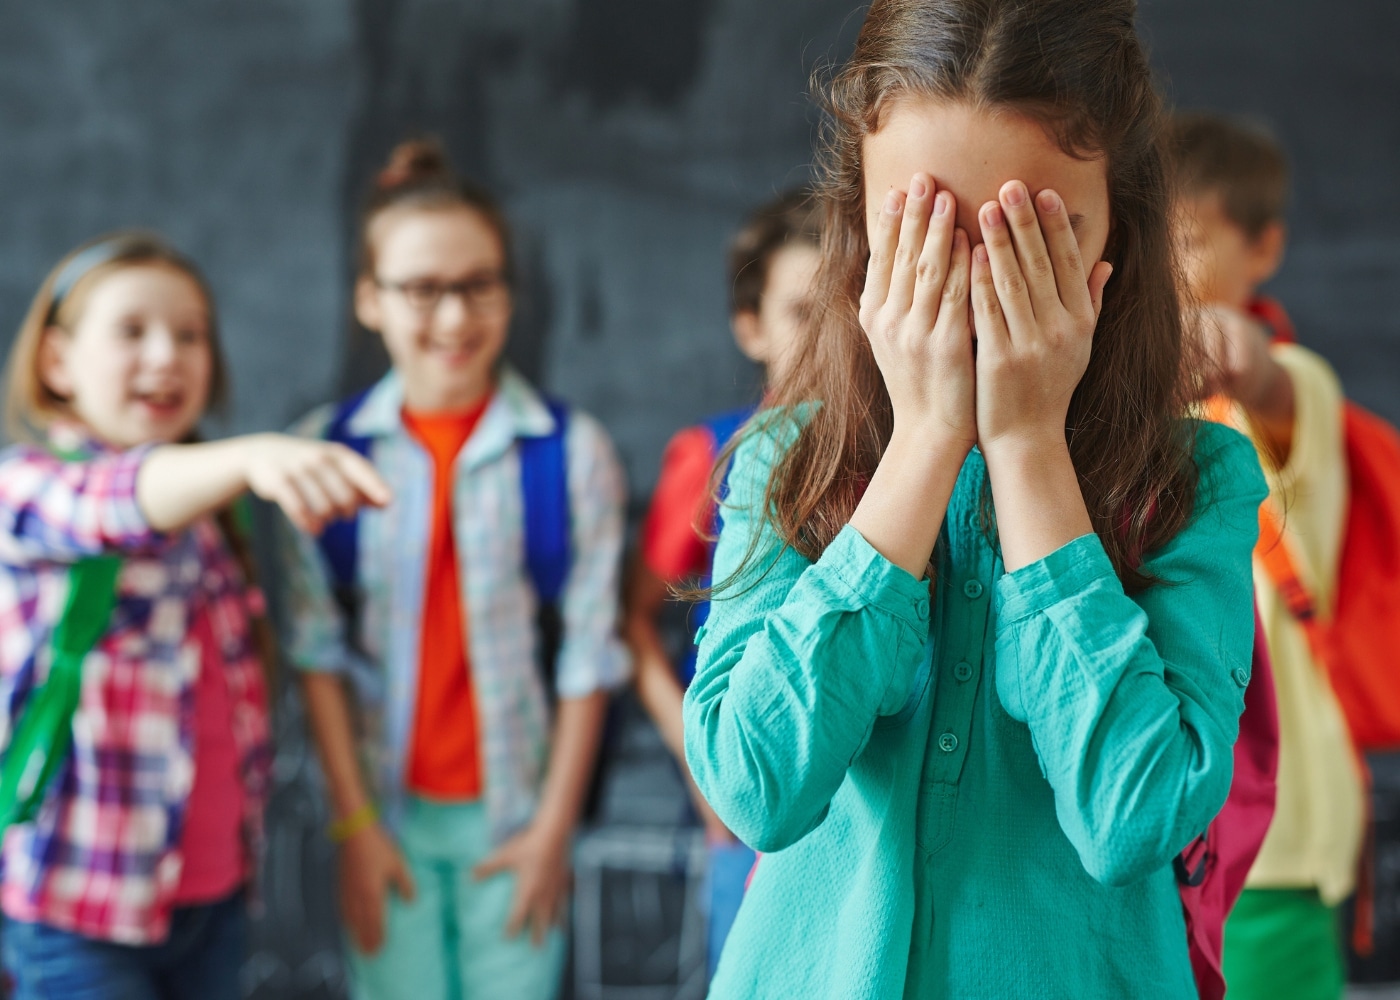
(627,138)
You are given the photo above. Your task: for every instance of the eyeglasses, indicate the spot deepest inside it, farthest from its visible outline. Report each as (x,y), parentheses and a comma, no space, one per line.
(484,294)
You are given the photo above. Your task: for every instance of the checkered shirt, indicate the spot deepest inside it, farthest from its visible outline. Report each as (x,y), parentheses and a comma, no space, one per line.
(102,857)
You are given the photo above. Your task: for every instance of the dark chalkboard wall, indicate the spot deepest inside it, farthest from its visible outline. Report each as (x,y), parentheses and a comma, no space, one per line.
(627,138)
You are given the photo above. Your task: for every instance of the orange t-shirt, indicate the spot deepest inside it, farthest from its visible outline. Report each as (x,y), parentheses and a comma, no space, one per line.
(444,759)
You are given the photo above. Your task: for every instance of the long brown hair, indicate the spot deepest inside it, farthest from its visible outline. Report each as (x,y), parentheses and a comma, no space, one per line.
(1077,68)
(30,405)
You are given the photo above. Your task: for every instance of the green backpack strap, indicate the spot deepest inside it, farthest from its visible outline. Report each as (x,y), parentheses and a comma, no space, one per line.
(42,734)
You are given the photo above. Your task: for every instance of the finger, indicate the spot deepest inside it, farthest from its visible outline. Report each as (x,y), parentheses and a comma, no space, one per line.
(1063,246)
(293,504)
(1098,280)
(934,261)
(953,305)
(519,913)
(1009,283)
(539,924)
(1031,252)
(344,498)
(372,922)
(992,334)
(402,881)
(912,230)
(363,476)
(318,505)
(882,247)
(497,862)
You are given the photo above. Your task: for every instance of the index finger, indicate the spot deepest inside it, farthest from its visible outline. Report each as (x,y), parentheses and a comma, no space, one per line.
(1070,279)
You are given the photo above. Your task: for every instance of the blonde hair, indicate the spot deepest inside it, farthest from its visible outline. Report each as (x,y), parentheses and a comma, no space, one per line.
(30,405)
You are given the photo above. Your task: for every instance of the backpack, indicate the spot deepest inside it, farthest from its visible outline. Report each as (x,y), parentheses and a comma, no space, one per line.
(548,549)
(1357,644)
(43,732)
(1211,871)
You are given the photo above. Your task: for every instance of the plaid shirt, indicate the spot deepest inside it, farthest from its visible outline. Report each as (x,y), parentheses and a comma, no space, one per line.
(500,602)
(102,858)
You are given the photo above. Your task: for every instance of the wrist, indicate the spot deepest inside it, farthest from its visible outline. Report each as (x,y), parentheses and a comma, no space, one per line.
(1020,449)
(932,440)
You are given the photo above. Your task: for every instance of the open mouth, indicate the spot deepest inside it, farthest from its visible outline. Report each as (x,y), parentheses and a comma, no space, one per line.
(162,402)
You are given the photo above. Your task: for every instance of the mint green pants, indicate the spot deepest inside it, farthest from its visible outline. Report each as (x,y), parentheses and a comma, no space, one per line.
(450,943)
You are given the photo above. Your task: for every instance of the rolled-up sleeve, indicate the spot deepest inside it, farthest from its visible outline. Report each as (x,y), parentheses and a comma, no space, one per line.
(592,656)
(57,511)
(1133,703)
(797,662)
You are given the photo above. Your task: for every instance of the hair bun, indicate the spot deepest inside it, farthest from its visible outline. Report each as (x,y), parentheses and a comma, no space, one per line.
(413,162)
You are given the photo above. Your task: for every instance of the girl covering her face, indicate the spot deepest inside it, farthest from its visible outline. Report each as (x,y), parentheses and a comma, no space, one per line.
(983,621)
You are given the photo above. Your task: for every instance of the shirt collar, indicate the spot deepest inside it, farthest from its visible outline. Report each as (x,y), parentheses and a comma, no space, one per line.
(516,410)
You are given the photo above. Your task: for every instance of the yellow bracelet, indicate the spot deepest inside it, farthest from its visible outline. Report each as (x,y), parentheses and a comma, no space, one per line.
(361,819)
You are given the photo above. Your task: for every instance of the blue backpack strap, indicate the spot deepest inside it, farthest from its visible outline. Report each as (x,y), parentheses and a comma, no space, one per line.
(340,540)
(544,488)
(544,485)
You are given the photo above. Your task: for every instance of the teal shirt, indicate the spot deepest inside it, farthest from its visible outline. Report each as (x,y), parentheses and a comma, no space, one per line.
(978,795)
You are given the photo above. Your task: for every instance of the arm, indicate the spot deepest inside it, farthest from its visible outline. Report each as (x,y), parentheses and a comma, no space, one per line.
(653,673)
(799,663)
(314,482)
(1250,373)
(1132,707)
(654,676)
(592,661)
(1134,704)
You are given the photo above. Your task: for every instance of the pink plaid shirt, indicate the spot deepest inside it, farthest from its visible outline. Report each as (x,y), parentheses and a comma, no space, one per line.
(102,858)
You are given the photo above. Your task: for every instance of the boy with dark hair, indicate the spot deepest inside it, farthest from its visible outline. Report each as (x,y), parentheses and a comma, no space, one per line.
(773,260)
(1283,937)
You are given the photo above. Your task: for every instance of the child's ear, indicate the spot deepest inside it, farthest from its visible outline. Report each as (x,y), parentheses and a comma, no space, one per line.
(1266,252)
(54,344)
(367,303)
(748,334)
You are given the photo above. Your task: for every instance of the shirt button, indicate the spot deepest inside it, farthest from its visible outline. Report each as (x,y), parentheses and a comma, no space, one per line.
(963,671)
(947,742)
(972,590)
(1241,677)
(921,607)
(974,521)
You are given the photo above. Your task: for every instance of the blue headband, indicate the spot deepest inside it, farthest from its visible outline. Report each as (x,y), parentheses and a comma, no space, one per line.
(83,263)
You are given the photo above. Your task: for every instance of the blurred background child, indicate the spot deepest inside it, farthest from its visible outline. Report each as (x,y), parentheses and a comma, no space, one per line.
(772,263)
(454,815)
(129,881)
(1283,938)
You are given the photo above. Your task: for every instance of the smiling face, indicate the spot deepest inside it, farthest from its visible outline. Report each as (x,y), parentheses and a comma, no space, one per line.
(445,346)
(137,365)
(971,152)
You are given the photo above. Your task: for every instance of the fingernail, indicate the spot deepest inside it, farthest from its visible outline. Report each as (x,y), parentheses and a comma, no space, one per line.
(1015,195)
(992,215)
(960,239)
(980,253)
(940,204)
(1049,201)
(892,202)
(917,188)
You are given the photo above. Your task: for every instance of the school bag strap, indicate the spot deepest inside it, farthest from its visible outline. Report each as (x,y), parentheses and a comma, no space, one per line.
(544,486)
(544,490)
(43,732)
